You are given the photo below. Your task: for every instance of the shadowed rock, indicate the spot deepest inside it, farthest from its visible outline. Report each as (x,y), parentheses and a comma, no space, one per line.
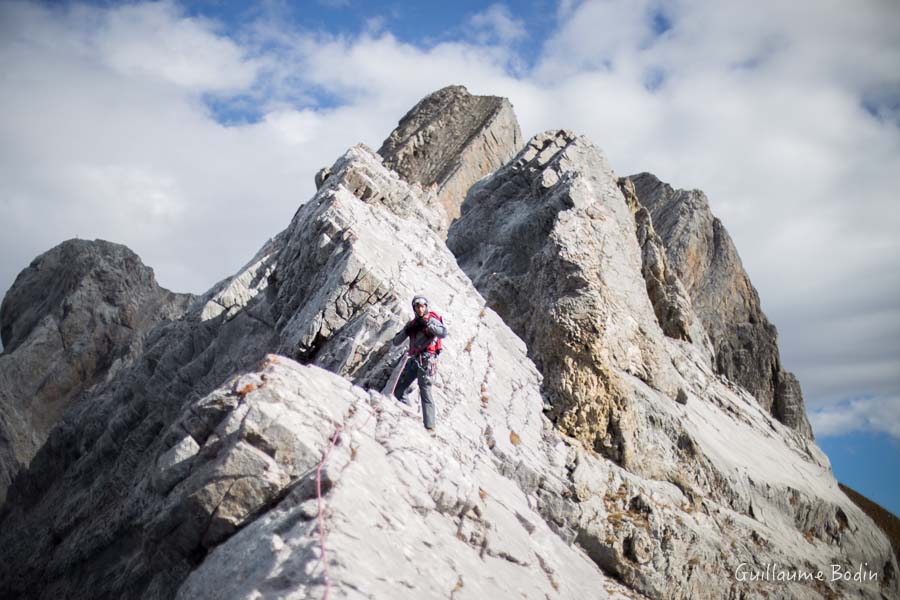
(72,319)
(704,258)
(670,300)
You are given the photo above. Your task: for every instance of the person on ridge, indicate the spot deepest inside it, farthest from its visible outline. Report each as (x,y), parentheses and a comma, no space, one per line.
(424,331)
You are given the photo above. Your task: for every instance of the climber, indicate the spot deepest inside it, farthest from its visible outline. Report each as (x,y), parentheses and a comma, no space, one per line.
(424,331)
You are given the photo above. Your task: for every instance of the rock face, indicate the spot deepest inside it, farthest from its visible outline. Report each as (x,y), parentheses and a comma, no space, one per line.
(703,256)
(670,300)
(178,465)
(211,468)
(549,242)
(73,318)
(450,140)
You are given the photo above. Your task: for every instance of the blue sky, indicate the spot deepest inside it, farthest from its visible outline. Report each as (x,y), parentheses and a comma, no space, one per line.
(868,463)
(191,132)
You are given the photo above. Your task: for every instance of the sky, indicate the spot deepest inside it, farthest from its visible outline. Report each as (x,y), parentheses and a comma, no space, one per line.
(191,133)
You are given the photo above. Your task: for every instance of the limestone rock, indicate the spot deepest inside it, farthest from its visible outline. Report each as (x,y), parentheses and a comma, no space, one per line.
(210,468)
(450,140)
(549,242)
(72,319)
(670,300)
(704,258)
(180,463)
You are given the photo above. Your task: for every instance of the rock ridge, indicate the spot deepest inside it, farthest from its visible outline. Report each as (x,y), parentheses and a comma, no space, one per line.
(192,472)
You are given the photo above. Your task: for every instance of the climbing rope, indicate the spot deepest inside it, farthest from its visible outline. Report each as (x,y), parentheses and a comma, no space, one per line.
(321,516)
(399,374)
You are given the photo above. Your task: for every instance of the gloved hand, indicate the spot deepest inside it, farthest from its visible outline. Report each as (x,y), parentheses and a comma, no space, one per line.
(415,326)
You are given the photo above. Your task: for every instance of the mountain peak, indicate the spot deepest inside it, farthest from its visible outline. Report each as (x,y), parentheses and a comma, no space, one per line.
(450,139)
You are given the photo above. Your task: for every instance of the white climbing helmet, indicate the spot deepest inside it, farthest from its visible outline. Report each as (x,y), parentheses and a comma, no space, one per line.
(419,300)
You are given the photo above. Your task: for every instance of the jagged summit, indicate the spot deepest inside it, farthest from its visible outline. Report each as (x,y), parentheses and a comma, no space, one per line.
(586,447)
(705,259)
(450,140)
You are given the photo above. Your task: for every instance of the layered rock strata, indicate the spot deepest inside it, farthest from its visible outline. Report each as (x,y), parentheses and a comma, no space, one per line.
(704,258)
(72,319)
(450,140)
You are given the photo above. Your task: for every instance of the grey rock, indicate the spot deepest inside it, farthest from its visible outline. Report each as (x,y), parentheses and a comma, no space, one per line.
(323,174)
(72,319)
(548,240)
(670,300)
(118,488)
(704,258)
(450,140)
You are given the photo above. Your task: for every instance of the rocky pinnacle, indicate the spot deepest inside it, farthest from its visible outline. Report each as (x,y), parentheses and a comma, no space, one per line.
(450,140)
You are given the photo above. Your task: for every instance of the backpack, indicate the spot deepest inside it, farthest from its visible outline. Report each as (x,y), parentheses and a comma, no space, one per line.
(436,345)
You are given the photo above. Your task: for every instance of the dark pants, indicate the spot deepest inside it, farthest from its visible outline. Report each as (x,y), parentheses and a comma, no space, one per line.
(421,367)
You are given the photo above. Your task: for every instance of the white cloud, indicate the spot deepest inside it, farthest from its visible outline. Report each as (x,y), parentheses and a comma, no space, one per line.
(496,23)
(865,415)
(131,191)
(152,41)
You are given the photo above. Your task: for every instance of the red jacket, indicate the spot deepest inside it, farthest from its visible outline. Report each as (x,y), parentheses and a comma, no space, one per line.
(424,339)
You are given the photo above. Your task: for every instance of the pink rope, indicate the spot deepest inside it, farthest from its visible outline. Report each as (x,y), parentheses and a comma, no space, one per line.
(321,515)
